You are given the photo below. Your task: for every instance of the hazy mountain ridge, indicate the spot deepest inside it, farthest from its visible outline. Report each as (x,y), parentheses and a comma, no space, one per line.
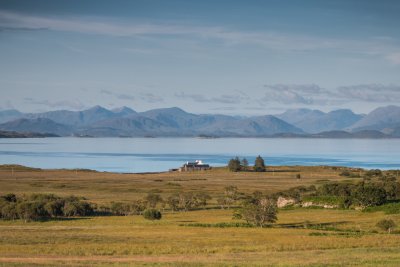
(316,121)
(98,121)
(385,119)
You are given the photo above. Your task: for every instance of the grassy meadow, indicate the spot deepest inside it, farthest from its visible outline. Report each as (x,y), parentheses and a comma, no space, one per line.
(209,237)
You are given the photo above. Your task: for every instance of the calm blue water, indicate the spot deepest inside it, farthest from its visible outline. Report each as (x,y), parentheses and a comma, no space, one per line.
(161,154)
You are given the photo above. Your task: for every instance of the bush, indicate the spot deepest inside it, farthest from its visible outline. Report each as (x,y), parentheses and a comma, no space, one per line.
(386,225)
(152,214)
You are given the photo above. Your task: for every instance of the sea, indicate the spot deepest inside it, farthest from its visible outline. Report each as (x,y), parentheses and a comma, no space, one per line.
(139,155)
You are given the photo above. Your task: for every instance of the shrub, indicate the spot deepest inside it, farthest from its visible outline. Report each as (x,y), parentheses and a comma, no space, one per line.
(152,214)
(386,225)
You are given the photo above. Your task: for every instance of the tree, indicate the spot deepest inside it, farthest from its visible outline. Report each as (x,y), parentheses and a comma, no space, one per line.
(230,196)
(386,225)
(173,202)
(202,198)
(259,165)
(9,211)
(120,209)
(30,211)
(152,214)
(245,164)
(153,200)
(234,165)
(259,212)
(54,208)
(77,208)
(367,195)
(10,198)
(137,207)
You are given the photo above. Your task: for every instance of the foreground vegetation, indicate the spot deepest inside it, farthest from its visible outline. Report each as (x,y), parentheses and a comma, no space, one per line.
(214,229)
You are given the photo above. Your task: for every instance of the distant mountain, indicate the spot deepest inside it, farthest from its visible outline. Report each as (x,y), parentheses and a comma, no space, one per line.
(39,125)
(76,118)
(385,119)
(254,126)
(10,114)
(176,122)
(316,121)
(123,111)
(125,122)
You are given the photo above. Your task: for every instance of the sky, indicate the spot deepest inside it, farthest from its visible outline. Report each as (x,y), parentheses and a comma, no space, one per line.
(226,56)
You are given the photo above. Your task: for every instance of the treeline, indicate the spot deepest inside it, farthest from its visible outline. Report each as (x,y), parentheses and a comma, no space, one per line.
(375,189)
(367,193)
(46,206)
(181,201)
(236,164)
(42,206)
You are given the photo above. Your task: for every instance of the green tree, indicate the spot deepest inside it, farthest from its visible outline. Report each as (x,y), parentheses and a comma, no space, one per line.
(54,208)
(229,197)
(202,198)
(152,214)
(260,212)
(386,225)
(9,211)
(173,202)
(77,208)
(31,211)
(10,198)
(137,207)
(259,165)
(120,209)
(153,200)
(367,195)
(234,165)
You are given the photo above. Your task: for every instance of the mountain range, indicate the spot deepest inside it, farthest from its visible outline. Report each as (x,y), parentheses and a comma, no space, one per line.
(126,122)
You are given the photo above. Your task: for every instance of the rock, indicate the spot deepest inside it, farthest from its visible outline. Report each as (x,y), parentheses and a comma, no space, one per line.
(283,202)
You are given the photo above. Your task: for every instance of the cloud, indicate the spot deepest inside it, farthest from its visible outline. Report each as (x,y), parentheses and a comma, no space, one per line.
(73,104)
(386,48)
(316,95)
(378,93)
(394,58)
(238,98)
(150,98)
(106,92)
(291,94)
(125,97)
(117,95)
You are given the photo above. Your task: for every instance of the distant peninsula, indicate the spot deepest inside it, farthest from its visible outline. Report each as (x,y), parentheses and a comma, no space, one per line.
(12,134)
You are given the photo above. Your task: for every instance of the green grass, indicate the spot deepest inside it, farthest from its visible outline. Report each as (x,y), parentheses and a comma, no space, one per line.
(390,208)
(330,200)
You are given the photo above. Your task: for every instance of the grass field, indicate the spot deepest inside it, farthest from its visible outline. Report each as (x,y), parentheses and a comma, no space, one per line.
(105,187)
(301,237)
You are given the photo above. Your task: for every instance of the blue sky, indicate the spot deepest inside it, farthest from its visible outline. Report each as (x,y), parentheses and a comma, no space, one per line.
(231,57)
